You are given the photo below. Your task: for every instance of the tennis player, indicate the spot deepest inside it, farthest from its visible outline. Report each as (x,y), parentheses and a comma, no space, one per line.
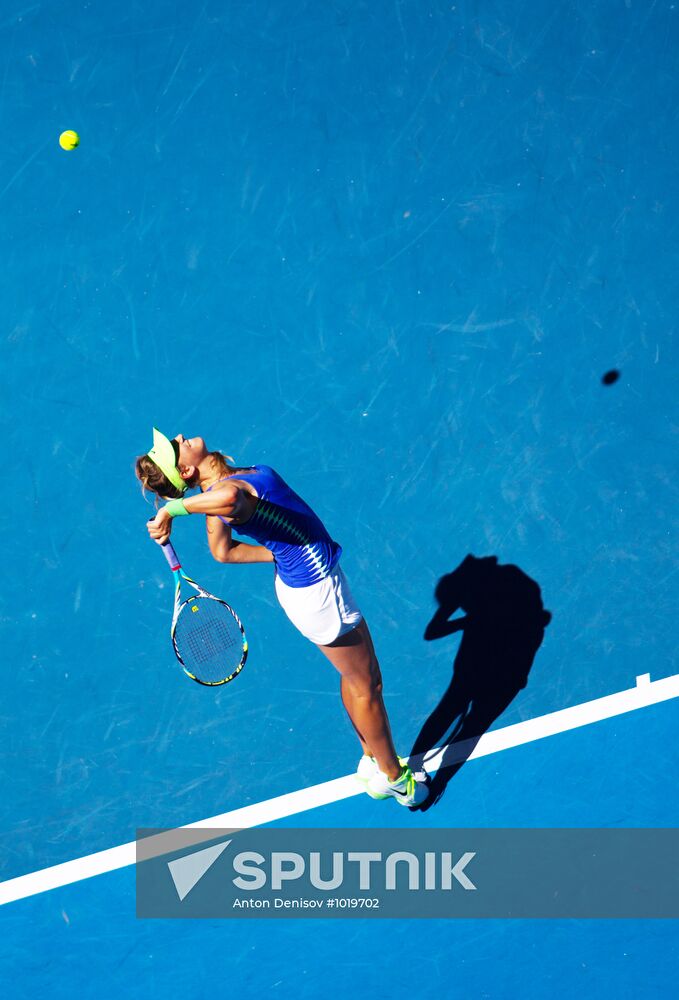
(309,582)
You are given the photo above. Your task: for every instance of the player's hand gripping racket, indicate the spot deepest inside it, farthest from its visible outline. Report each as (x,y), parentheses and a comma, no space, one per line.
(208,638)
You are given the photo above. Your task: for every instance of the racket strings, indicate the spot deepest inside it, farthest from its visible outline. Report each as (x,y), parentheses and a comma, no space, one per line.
(208,639)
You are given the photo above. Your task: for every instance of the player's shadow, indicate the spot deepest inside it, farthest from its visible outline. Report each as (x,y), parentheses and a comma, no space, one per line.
(502,629)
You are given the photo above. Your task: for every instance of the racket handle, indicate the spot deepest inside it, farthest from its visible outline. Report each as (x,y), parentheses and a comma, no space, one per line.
(169,553)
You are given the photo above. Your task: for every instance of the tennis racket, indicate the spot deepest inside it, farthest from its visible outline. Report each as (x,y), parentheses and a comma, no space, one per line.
(207,635)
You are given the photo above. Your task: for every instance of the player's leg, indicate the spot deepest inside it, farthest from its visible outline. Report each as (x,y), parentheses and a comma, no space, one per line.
(347,701)
(327,615)
(353,656)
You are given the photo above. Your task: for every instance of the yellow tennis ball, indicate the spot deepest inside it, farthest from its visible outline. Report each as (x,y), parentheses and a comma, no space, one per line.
(69,139)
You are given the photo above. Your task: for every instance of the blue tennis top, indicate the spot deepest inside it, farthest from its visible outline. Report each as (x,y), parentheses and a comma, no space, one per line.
(303,551)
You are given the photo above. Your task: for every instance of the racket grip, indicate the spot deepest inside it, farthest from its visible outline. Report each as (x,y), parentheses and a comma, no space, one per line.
(169,553)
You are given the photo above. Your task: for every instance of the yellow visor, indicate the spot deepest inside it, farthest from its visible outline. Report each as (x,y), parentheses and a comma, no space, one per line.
(164,455)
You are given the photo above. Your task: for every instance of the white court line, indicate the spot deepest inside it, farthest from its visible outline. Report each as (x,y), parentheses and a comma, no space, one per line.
(645,693)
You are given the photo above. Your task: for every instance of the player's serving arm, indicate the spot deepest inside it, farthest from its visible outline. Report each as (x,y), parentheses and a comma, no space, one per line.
(224,502)
(310,584)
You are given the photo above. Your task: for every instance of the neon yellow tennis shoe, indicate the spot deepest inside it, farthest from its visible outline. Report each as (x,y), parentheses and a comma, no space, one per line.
(367,766)
(406,790)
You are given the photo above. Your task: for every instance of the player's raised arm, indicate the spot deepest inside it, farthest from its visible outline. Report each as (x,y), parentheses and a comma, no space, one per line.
(226,549)
(220,501)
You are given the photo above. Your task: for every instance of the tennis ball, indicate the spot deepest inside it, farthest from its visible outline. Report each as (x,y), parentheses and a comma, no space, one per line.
(69,139)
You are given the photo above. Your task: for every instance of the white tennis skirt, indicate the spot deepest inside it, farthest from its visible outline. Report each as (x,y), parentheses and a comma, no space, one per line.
(323,611)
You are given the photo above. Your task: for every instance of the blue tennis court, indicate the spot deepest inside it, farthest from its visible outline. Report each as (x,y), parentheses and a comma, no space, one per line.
(421,259)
